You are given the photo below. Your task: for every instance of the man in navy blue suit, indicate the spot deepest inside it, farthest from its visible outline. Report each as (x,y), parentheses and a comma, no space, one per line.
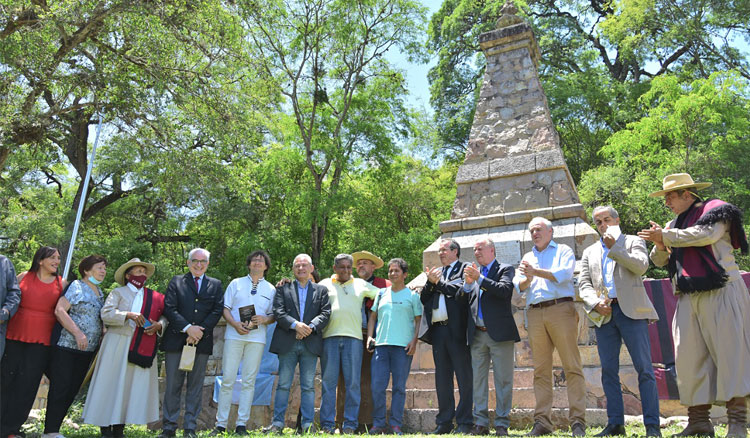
(492,332)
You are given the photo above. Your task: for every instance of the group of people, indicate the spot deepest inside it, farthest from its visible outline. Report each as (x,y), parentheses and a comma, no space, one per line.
(56,328)
(365,331)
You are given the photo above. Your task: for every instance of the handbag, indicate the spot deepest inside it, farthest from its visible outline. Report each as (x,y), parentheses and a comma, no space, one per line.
(187,359)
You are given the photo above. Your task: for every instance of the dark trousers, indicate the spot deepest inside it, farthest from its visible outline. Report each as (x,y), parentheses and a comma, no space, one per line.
(609,338)
(22,366)
(67,371)
(452,356)
(193,391)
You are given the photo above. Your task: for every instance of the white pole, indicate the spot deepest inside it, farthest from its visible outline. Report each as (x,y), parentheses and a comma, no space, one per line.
(83,199)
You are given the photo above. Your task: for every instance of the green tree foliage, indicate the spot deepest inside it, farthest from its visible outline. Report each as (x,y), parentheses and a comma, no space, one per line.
(173,82)
(701,128)
(326,59)
(598,57)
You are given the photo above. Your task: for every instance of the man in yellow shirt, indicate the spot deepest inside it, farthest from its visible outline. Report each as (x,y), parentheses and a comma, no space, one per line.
(342,344)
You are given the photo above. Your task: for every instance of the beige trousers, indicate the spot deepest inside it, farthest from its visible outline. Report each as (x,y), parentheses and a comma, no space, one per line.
(711,336)
(550,328)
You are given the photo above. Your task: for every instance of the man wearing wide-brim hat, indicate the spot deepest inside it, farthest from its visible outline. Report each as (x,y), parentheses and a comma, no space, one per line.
(710,329)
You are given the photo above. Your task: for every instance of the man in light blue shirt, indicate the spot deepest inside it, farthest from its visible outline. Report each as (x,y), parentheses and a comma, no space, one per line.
(545,276)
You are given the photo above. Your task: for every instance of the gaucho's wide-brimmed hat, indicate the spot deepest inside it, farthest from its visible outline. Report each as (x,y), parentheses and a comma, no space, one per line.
(679,181)
(120,273)
(367,255)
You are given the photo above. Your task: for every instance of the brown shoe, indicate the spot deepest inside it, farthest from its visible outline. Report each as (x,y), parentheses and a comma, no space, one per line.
(737,414)
(479,430)
(699,422)
(501,431)
(539,430)
(578,429)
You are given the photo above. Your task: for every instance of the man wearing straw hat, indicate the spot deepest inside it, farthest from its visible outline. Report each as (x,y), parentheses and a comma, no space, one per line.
(710,329)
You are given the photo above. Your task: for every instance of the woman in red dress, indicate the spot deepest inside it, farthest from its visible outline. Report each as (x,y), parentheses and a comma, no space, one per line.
(27,352)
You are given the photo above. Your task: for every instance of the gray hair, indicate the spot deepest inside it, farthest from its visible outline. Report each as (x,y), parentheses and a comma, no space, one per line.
(194,250)
(454,246)
(543,220)
(303,256)
(611,210)
(341,257)
(489,242)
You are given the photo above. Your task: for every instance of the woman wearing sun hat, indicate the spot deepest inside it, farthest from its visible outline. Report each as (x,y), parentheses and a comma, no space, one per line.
(124,386)
(710,329)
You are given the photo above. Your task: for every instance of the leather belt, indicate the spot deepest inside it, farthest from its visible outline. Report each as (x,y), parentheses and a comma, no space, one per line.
(551,302)
(440,322)
(481,329)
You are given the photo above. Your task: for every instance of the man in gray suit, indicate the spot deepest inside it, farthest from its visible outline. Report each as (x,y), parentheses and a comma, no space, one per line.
(611,287)
(298,339)
(10,297)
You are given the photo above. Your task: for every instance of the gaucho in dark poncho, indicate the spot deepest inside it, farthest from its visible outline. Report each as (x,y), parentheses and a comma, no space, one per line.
(710,330)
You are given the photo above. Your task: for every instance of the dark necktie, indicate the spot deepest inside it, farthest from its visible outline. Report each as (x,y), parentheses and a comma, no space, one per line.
(197,289)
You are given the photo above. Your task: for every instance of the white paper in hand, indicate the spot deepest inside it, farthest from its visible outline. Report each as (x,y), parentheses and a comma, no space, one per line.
(614,231)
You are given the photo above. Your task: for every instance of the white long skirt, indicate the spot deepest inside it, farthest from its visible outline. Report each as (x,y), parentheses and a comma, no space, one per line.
(121,392)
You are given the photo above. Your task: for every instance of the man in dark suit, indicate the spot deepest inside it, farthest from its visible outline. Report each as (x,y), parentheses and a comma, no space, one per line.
(447,311)
(491,332)
(298,340)
(193,305)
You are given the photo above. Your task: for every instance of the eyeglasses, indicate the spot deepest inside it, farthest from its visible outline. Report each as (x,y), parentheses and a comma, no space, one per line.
(199,262)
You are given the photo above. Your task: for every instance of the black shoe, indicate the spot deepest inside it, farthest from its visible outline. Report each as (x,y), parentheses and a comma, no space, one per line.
(273,430)
(240,430)
(501,431)
(106,431)
(539,430)
(464,429)
(218,431)
(166,434)
(443,429)
(118,430)
(653,430)
(348,431)
(612,430)
(479,430)
(328,430)
(189,433)
(578,429)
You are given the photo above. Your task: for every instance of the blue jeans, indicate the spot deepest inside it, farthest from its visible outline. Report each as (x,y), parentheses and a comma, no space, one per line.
(609,338)
(287,363)
(387,361)
(344,353)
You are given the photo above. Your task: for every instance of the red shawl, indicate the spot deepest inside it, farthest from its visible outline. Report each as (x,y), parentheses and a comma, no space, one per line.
(143,346)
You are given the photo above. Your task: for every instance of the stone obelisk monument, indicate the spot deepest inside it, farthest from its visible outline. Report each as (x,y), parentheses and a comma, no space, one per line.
(514,168)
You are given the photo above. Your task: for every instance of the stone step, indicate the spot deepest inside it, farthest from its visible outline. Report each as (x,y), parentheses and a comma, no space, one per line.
(522,398)
(423,420)
(589,356)
(425,379)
